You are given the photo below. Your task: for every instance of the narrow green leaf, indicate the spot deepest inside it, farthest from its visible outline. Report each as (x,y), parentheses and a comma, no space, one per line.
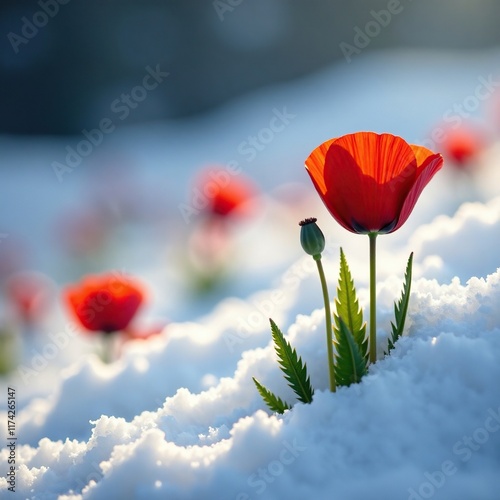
(350,366)
(348,309)
(273,402)
(291,365)
(401,307)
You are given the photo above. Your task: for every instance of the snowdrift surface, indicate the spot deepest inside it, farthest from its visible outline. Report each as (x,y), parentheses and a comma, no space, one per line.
(425,422)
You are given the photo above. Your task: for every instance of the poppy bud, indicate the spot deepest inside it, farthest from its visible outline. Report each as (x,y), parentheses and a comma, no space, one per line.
(311,238)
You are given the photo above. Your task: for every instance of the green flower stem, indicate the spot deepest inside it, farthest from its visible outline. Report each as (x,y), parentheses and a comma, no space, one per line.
(328,318)
(107,345)
(373,298)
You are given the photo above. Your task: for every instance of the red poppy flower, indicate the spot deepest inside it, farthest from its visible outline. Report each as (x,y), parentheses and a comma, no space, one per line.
(227,194)
(105,303)
(462,145)
(370,182)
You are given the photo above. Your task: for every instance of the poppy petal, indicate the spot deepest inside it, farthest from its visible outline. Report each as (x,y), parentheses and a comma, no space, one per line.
(380,156)
(315,165)
(104,303)
(425,174)
(421,154)
(365,179)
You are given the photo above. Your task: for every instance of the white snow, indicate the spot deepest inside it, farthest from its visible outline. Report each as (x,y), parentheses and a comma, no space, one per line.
(179,417)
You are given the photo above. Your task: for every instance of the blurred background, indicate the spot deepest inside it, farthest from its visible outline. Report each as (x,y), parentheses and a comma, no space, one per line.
(117,116)
(61,73)
(166,140)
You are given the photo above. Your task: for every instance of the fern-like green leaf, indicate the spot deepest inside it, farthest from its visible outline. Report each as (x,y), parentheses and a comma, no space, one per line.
(348,309)
(272,401)
(350,366)
(401,307)
(291,365)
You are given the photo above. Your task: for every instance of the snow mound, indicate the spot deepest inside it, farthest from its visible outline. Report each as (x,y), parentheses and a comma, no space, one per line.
(188,422)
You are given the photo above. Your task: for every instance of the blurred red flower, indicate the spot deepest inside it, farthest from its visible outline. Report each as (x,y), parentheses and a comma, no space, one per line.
(104,303)
(370,182)
(226,194)
(462,145)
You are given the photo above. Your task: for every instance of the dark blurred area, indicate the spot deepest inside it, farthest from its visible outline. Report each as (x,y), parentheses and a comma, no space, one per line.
(64,62)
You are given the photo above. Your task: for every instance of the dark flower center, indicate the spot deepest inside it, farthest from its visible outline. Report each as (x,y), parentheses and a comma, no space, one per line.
(310,220)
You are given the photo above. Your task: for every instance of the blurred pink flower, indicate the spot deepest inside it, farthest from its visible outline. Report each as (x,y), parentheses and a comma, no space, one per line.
(83,232)
(29,293)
